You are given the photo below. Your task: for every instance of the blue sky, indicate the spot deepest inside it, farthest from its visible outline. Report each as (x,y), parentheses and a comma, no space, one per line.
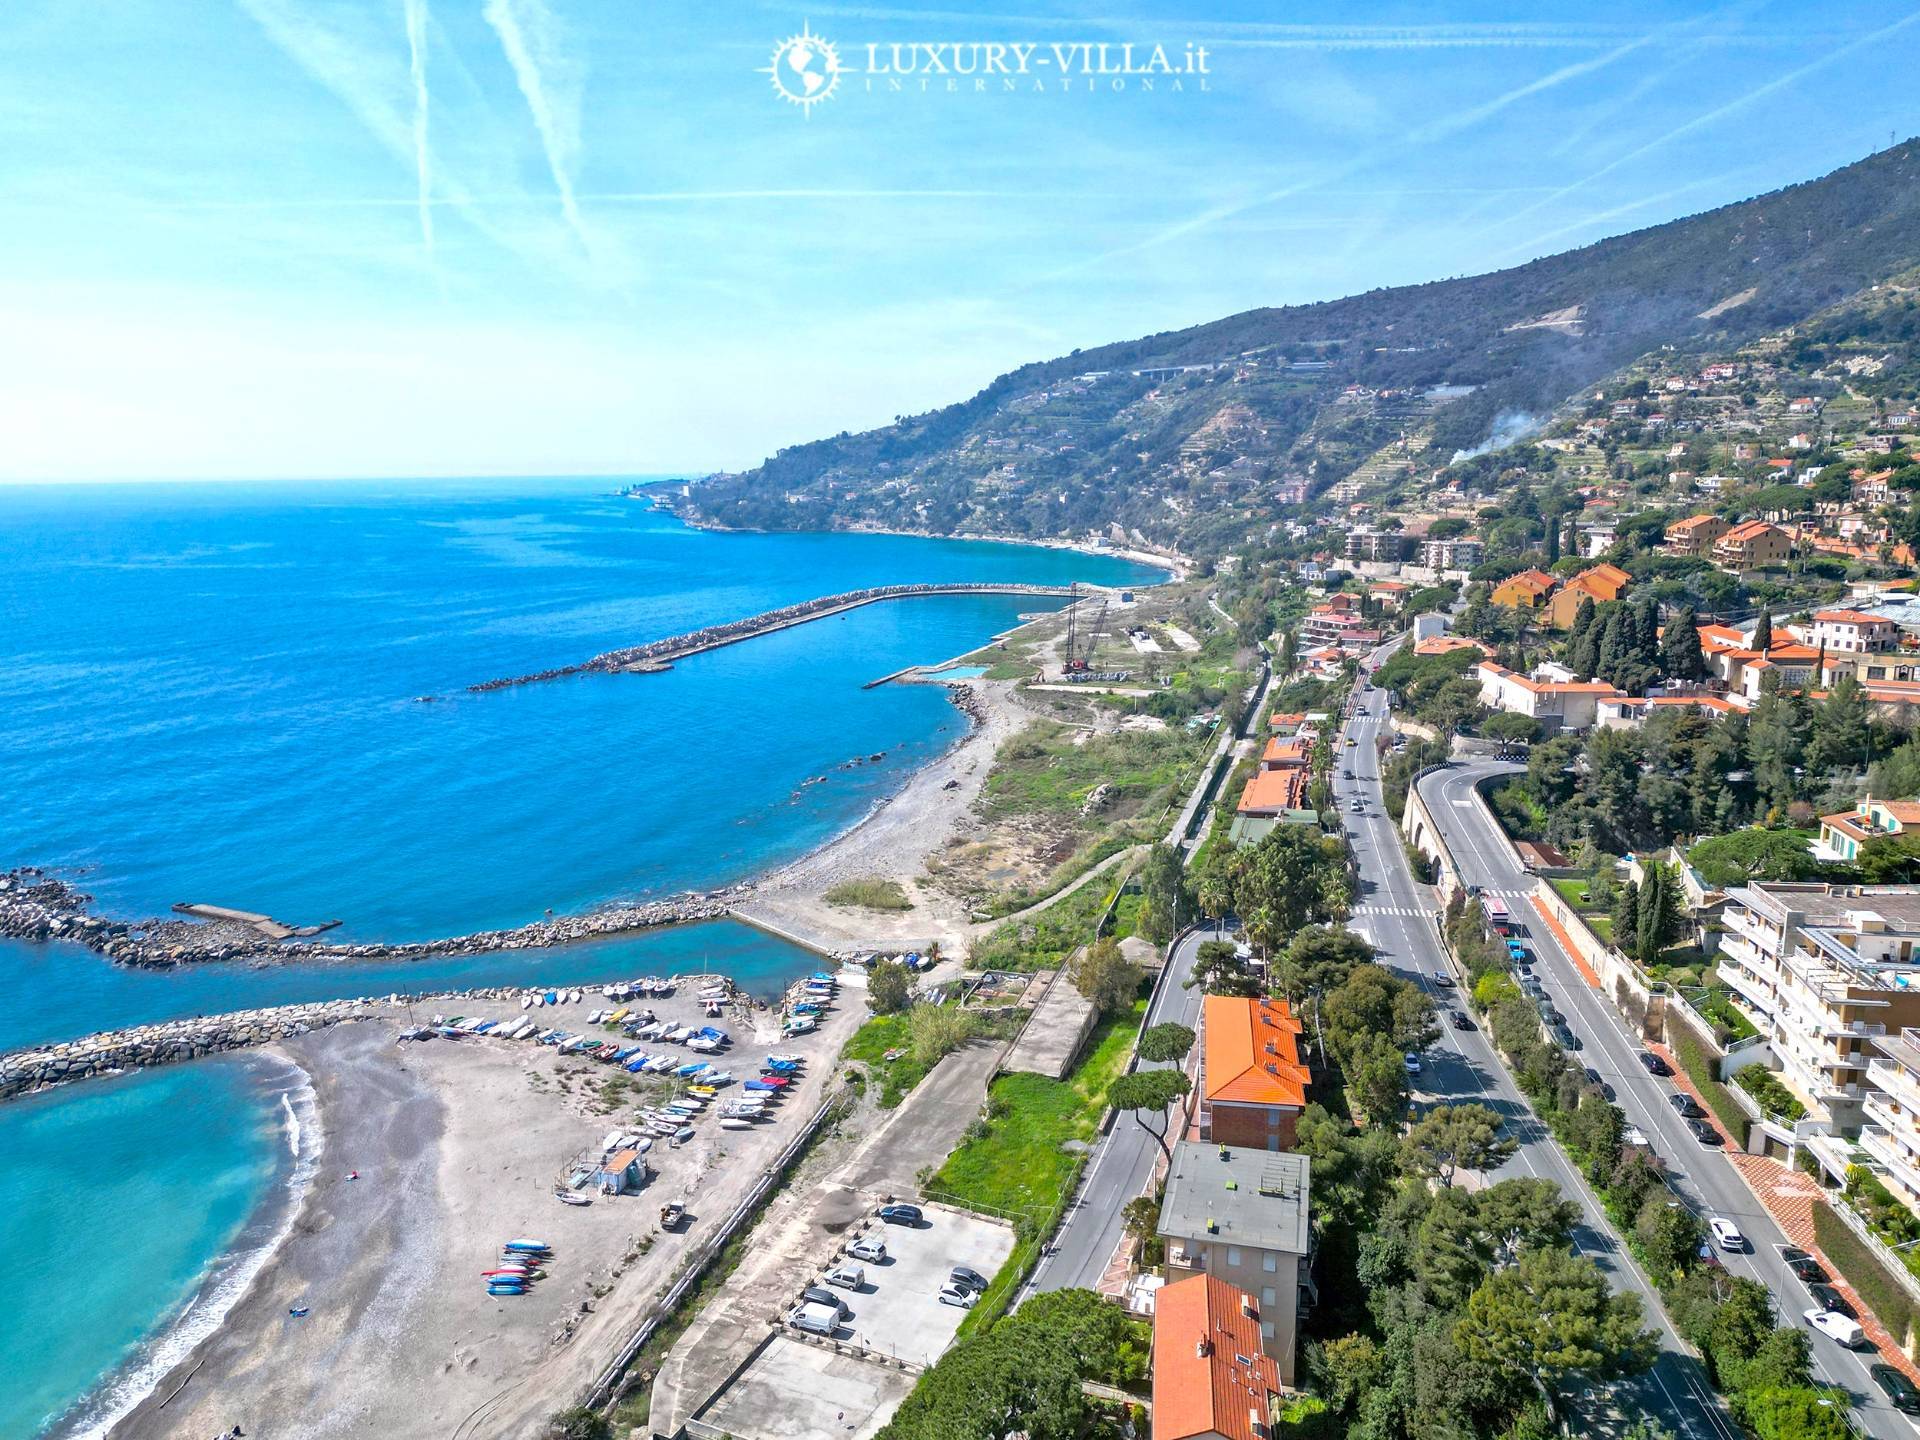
(419,237)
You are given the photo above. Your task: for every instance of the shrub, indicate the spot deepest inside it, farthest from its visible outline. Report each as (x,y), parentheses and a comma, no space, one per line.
(1773,1097)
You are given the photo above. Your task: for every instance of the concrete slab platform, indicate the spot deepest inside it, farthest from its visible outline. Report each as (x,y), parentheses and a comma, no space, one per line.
(898,1312)
(807,1392)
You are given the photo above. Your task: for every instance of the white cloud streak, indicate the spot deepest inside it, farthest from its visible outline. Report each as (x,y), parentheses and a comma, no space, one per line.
(416,13)
(550,82)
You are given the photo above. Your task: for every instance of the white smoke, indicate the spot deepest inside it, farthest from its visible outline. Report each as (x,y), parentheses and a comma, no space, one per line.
(1509,428)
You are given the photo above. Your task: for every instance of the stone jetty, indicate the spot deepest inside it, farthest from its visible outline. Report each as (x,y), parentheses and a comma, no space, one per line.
(37,906)
(660,654)
(169,1041)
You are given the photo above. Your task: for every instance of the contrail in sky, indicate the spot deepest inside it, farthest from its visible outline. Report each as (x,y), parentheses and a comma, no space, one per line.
(416,11)
(549,82)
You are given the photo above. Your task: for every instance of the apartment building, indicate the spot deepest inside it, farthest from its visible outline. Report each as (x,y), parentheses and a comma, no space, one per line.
(1891,1134)
(1600,584)
(1526,591)
(1824,972)
(1366,542)
(1556,704)
(1752,544)
(1211,1378)
(1253,1074)
(1696,535)
(1242,1217)
(1462,552)
(1851,632)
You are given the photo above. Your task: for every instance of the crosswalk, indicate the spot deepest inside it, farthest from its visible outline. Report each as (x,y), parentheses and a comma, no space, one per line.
(1526,894)
(1409,911)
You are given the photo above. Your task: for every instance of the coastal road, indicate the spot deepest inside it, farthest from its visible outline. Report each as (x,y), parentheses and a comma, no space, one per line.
(1700,1177)
(1400,918)
(1124,1157)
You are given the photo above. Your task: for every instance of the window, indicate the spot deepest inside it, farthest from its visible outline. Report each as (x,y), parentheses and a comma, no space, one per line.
(1270,1262)
(1266,1296)
(1266,1329)
(1233,1254)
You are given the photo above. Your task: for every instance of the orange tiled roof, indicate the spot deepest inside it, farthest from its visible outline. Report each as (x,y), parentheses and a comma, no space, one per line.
(1282,751)
(1691,523)
(1446,644)
(1747,530)
(1210,1376)
(1849,617)
(1271,791)
(1550,687)
(1253,1052)
(1529,580)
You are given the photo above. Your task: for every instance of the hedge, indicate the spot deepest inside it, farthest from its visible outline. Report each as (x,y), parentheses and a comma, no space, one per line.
(1861,1268)
(1694,1060)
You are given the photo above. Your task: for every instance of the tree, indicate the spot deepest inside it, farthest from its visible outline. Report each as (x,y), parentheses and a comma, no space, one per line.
(1213,882)
(1763,632)
(1160,884)
(1449,1138)
(1626,919)
(1680,655)
(889,988)
(1103,975)
(1165,1044)
(1753,854)
(1661,914)
(1376,1075)
(1217,971)
(936,1031)
(1292,878)
(1550,1317)
(1839,735)
(1669,1236)
(1149,1091)
(1511,728)
(1890,859)
(1797,1414)
(1319,959)
(1346,1368)
(1519,1215)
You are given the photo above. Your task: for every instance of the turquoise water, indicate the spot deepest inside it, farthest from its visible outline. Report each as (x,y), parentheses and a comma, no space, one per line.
(959,672)
(81,1187)
(210,693)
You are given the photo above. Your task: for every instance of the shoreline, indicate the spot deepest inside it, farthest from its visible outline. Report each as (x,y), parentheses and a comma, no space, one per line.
(229,1277)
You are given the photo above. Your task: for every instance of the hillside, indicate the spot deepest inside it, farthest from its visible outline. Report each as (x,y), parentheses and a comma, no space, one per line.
(1196,436)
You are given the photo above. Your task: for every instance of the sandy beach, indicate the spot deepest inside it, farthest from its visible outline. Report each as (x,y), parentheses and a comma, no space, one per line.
(457,1146)
(894,842)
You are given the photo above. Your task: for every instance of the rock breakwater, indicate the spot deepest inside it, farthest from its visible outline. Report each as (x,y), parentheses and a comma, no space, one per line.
(659,654)
(38,906)
(169,1041)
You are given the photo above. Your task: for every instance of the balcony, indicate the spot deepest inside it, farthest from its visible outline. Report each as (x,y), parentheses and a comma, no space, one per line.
(1883,1147)
(1901,1086)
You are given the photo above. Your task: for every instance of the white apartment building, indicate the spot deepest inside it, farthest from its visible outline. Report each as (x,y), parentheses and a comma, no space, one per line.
(1825,972)
(1892,1132)
(1851,632)
(1556,704)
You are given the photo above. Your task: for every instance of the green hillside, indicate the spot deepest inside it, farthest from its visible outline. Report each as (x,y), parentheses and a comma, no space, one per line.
(1199,456)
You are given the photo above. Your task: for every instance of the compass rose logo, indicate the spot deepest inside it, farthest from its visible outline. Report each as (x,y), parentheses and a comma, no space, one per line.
(805,70)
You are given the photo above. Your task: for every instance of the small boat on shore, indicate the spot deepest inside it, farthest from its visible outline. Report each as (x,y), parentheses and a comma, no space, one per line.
(733,1122)
(567,1197)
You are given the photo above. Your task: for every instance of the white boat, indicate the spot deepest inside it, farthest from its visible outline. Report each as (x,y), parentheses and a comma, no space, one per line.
(611,1142)
(593,1016)
(526,1002)
(735,1124)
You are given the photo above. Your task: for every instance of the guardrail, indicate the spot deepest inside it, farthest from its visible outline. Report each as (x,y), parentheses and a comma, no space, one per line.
(607,1385)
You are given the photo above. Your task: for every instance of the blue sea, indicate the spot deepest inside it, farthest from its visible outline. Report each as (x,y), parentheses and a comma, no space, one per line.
(210,693)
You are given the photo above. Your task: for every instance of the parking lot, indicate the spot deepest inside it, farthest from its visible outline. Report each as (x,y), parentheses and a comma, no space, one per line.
(897,1311)
(798,1391)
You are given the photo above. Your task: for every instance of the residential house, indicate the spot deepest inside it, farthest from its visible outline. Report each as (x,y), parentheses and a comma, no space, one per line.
(1752,544)
(1851,632)
(1696,535)
(1462,552)
(1555,704)
(1842,835)
(1447,644)
(1389,594)
(1528,590)
(1599,584)
(1823,971)
(1253,1071)
(1365,542)
(1212,1378)
(1240,1217)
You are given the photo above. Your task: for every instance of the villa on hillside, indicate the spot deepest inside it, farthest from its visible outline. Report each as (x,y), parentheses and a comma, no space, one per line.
(1842,835)
(1556,704)
(1526,591)
(1599,584)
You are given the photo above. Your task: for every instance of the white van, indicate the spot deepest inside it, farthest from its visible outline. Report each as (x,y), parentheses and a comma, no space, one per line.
(1836,1326)
(1727,1235)
(815,1319)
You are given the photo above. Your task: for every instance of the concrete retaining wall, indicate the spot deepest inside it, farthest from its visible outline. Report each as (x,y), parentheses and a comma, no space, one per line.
(1620,982)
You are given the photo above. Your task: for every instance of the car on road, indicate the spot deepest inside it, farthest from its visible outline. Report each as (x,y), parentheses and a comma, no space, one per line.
(820,1295)
(1804,1265)
(1705,1133)
(1443,980)
(847,1277)
(1598,1081)
(1517,953)
(1652,1063)
(870,1248)
(1459,1020)
(1837,1327)
(1351,741)
(908,1215)
(1828,1298)
(1686,1107)
(1901,1392)
(1727,1235)
(1412,1062)
(1358,807)
(958,1295)
(1565,1038)
(967,1278)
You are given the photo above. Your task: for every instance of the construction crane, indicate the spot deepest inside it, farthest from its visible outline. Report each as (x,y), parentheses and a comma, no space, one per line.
(1079,661)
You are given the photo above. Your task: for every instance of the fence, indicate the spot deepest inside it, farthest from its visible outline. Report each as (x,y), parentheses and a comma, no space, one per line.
(607,1385)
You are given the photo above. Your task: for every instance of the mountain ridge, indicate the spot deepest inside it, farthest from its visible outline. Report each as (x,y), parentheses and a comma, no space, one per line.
(1056,447)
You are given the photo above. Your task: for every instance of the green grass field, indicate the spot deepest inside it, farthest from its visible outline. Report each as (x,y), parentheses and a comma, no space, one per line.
(871,1041)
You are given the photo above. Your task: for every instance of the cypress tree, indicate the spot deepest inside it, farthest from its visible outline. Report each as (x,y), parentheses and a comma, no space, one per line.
(1763,632)
(1680,657)
(1578,636)
(1607,660)
(1626,919)
(1553,539)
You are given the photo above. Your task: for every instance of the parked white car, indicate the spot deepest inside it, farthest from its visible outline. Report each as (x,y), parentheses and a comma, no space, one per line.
(957,1295)
(1727,1235)
(1836,1326)
(847,1277)
(870,1248)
